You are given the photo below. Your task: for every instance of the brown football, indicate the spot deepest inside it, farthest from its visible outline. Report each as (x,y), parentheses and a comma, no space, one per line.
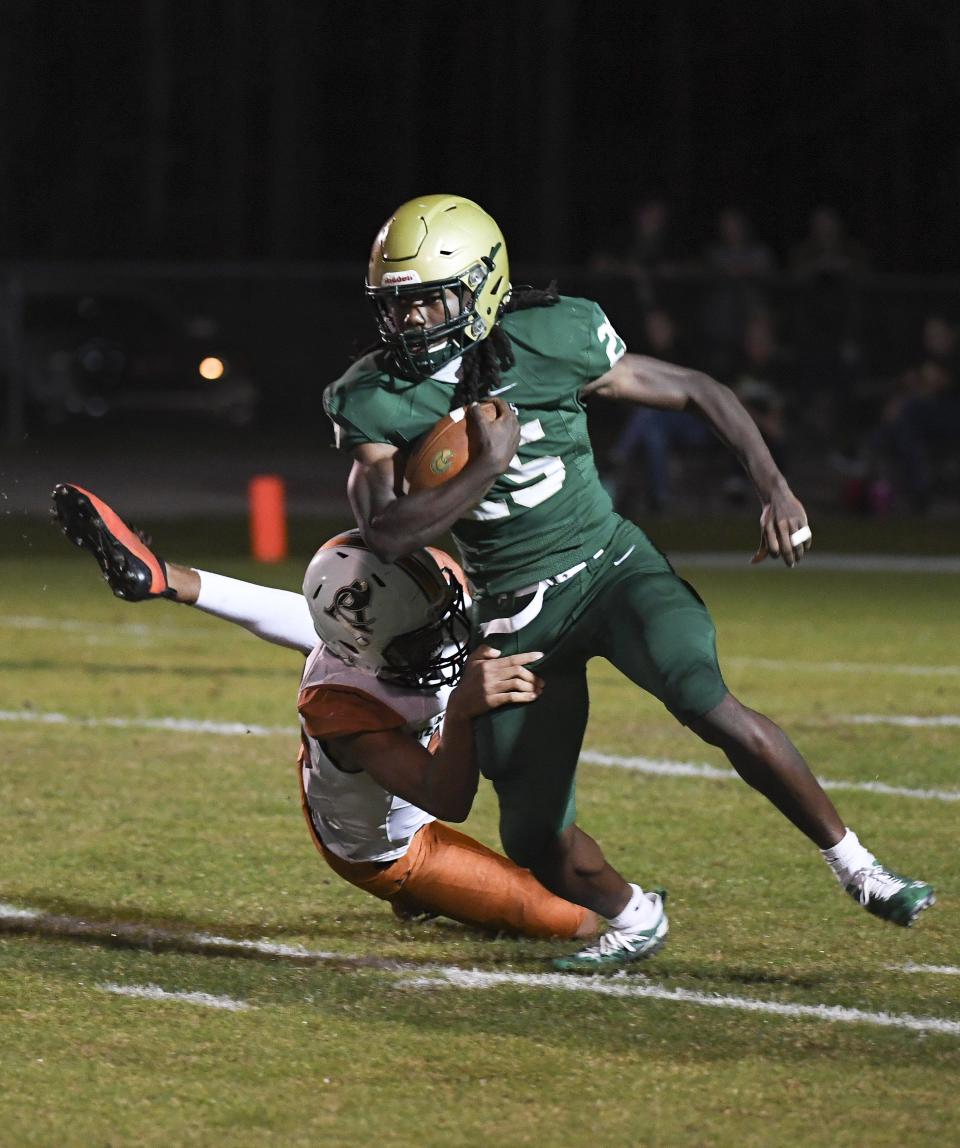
(443,451)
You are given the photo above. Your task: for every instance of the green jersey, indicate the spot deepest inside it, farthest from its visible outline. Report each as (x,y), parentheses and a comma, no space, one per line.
(548,511)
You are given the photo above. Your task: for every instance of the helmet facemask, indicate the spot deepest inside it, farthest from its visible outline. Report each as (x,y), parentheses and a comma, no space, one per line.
(421,351)
(434,655)
(403,621)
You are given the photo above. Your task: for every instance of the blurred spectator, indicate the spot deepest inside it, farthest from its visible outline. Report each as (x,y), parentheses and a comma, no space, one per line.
(646,244)
(761,379)
(738,262)
(652,440)
(828,252)
(646,247)
(652,247)
(920,423)
(829,262)
(651,437)
(736,252)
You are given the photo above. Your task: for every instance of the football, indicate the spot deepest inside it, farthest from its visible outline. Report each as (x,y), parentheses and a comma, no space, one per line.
(443,451)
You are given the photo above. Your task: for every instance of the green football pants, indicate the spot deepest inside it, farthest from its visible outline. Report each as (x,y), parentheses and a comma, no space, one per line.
(629,607)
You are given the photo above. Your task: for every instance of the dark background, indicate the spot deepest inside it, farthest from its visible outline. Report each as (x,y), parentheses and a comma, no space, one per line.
(235,158)
(248,129)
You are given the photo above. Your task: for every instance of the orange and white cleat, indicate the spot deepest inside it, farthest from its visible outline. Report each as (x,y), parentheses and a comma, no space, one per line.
(130,568)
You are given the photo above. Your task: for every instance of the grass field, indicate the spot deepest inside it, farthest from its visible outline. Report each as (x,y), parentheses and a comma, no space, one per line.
(138,854)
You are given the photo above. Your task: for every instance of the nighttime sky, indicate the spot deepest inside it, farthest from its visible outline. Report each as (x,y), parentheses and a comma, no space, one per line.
(248,129)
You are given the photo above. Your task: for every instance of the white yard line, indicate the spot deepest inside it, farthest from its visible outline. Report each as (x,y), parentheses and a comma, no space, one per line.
(881,787)
(666,768)
(910,721)
(648,765)
(868,669)
(155,993)
(626,987)
(175,725)
(74,626)
(68,625)
(446,976)
(818,560)
(935,970)
(195,940)
(12,913)
(269,948)
(662,767)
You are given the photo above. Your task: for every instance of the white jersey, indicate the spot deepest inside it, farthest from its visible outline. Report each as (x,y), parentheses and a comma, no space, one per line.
(356,818)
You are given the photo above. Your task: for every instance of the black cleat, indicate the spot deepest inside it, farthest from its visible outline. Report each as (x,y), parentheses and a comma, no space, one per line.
(130,568)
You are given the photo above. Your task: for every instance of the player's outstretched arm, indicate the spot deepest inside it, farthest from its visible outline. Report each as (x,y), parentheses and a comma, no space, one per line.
(443,783)
(393,526)
(665,386)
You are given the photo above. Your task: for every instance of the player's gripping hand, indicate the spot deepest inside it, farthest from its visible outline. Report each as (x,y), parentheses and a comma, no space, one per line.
(784,530)
(494,440)
(490,680)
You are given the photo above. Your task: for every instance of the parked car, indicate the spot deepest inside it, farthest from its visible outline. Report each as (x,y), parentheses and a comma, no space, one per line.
(96,355)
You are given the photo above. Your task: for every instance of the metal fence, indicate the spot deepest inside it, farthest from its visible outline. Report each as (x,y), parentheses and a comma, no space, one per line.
(296,325)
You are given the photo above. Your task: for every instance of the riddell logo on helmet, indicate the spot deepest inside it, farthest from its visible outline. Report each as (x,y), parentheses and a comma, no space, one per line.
(399,278)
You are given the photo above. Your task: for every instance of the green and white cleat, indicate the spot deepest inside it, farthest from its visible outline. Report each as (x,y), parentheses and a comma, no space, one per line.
(889,896)
(617,948)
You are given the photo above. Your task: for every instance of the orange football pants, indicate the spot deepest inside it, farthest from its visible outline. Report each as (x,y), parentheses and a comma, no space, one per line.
(447,873)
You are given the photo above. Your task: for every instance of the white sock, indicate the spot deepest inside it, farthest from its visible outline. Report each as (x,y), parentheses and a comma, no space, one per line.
(638,913)
(278,616)
(847,857)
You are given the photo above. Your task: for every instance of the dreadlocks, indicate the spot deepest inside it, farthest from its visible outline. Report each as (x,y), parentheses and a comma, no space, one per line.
(483,364)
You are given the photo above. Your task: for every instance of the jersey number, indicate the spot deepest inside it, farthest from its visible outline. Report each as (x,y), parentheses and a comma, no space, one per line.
(612,343)
(548,470)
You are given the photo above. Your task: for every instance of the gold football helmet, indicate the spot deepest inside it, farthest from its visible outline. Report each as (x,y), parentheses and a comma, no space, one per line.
(430,246)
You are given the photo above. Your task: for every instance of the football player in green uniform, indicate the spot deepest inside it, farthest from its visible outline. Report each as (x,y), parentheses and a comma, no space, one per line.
(553,566)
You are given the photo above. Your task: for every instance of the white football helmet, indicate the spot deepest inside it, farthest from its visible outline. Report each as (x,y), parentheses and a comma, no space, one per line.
(404,621)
